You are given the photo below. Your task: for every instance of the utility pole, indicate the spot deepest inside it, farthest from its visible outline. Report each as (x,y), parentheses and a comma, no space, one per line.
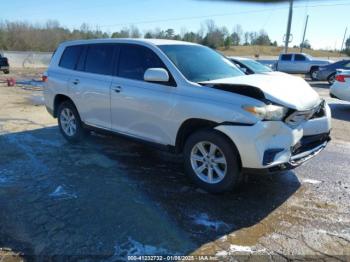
(342,44)
(289,24)
(302,42)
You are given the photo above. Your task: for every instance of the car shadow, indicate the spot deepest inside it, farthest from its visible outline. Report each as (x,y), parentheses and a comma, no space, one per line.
(108,196)
(340,111)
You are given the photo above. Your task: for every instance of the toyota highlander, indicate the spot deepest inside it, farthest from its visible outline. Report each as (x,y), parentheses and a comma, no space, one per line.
(191,100)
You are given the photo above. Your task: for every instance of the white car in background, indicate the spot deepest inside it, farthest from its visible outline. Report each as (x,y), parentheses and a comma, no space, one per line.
(250,66)
(341,87)
(190,99)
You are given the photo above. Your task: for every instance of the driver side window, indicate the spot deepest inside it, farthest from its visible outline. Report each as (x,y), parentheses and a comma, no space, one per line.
(134,60)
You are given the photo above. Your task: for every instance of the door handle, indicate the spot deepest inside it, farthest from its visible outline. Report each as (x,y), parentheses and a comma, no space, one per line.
(76,81)
(117,89)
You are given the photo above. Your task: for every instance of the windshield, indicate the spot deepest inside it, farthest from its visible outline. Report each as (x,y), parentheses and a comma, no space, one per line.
(308,56)
(198,63)
(256,67)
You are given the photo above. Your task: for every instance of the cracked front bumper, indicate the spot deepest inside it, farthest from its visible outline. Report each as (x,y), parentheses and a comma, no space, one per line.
(273,146)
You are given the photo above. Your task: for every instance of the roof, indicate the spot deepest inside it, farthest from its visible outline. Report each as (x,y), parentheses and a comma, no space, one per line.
(130,41)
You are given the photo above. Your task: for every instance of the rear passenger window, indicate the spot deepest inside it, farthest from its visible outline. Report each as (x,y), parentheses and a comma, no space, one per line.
(134,60)
(70,57)
(99,59)
(299,58)
(286,57)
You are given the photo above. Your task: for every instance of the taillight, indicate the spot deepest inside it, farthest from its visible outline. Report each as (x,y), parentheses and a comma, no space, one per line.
(44,78)
(340,78)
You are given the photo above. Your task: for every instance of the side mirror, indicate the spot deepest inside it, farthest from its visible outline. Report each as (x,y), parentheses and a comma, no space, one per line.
(156,75)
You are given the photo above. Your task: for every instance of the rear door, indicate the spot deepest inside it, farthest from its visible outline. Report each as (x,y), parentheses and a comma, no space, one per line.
(141,108)
(90,84)
(301,64)
(285,63)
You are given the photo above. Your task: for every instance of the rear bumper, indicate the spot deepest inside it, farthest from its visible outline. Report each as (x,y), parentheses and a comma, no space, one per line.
(50,111)
(340,91)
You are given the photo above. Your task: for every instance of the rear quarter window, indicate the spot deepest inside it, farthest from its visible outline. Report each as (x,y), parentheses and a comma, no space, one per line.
(70,57)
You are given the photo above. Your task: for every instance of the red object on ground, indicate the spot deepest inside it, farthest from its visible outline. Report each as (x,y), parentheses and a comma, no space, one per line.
(11,81)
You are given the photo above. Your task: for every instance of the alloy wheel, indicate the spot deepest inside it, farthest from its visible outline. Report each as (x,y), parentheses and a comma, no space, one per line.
(68,122)
(208,162)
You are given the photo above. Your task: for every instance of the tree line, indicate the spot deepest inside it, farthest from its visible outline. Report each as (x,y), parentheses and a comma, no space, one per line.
(24,36)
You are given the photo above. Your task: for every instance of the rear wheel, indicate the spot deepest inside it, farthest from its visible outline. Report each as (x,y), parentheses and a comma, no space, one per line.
(6,72)
(69,122)
(331,79)
(212,161)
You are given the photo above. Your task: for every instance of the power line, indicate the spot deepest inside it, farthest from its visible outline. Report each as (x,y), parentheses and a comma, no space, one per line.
(218,15)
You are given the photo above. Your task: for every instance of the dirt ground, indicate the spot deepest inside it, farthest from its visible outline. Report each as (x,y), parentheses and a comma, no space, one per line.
(109,198)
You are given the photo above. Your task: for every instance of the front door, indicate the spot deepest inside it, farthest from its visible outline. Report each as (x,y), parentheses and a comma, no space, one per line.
(140,108)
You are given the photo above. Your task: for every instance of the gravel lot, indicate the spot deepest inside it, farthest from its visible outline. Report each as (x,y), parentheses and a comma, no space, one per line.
(106,199)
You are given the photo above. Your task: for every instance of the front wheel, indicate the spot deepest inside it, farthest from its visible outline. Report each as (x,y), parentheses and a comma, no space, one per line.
(212,161)
(69,122)
(313,74)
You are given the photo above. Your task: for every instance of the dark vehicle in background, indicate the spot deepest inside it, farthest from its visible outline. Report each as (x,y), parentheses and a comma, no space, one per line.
(328,72)
(4,64)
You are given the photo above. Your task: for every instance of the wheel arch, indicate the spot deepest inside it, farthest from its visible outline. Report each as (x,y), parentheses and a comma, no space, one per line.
(314,68)
(192,125)
(188,127)
(59,99)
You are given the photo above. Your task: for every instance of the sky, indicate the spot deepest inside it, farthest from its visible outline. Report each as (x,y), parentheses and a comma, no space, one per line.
(327,18)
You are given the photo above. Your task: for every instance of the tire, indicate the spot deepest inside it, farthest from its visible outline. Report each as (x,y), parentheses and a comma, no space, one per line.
(313,72)
(232,170)
(69,119)
(6,72)
(331,79)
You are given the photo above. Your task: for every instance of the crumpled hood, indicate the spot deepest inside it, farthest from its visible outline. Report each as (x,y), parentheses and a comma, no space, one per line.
(290,91)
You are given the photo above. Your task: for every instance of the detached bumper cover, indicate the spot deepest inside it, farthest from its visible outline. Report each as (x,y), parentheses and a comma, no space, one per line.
(307,148)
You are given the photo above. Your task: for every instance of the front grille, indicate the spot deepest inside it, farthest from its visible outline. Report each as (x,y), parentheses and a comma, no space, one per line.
(309,142)
(297,117)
